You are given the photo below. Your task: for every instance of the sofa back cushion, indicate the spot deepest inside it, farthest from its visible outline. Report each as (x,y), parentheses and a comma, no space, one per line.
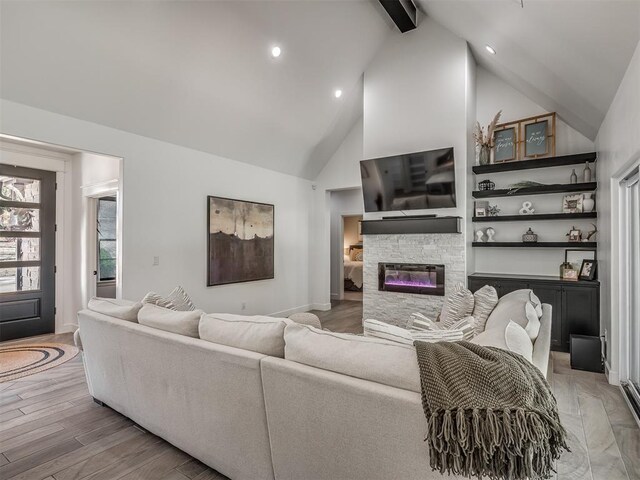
(182,323)
(255,333)
(373,359)
(511,306)
(122,309)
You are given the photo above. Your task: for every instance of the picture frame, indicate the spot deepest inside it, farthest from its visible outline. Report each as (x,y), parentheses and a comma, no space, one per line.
(240,241)
(588,270)
(575,235)
(573,203)
(505,142)
(570,274)
(481,212)
(538,136)
(578,255)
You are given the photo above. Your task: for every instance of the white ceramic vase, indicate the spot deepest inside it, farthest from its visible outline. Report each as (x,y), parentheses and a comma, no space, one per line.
(588,203)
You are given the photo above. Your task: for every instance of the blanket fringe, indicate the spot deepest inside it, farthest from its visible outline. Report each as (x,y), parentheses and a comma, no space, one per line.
(514,444)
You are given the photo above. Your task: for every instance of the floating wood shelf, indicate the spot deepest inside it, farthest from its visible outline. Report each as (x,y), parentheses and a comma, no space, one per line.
(535,244)
(536,163)
(539,190)
(538,216)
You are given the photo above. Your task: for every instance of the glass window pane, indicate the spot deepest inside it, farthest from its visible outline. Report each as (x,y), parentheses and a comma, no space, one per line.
(107,212)
(107,259)
(19,249)
(19,189)
(19,279)
(19,219)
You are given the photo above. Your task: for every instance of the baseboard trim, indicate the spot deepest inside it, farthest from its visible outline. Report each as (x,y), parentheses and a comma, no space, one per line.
(291,311)
(612,375)
(322,306)
(67,328)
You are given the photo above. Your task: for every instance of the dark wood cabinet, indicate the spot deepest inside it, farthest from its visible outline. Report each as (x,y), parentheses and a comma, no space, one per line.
(575,305)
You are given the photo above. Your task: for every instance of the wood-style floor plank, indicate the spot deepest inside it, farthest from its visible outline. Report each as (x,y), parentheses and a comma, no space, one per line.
(50,429)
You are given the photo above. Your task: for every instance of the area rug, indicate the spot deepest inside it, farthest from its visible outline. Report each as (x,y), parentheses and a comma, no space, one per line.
(21,360)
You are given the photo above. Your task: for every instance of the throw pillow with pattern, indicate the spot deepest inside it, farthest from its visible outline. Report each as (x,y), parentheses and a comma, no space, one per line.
(457,305)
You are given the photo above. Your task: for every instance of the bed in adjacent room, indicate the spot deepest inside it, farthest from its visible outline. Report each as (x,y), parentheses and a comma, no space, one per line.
(353,269)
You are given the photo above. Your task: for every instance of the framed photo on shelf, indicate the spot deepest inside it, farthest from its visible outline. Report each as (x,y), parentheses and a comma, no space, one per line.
(481,212)
(588,270)
(575,235)
(505,141)
(538,136)
(573,203)
(570,274)
(576,256)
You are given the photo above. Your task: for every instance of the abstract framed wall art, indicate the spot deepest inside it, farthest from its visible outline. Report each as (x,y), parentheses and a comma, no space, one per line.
(240,241)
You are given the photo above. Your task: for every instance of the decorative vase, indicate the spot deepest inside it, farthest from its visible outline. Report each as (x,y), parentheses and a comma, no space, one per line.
(574,177)
(586,174)
(588,203)
(485,155)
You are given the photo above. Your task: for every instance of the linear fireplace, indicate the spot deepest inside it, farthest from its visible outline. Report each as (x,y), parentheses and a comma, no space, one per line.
(411,278)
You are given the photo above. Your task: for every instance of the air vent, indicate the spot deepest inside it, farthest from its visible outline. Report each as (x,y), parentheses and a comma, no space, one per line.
(403,13)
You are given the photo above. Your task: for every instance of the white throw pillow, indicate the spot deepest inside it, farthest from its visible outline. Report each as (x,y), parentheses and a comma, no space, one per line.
(485,300)
(512,338)
(374,359)
(518,341)
(457,305)
(255,333)
(533,298)
(182,323)
(533,325)
(122,309)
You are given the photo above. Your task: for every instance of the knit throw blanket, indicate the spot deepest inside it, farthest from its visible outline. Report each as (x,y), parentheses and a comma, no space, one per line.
(490,413)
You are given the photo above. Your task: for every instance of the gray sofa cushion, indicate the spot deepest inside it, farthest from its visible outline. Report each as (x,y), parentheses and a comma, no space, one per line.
(255,333)
(183,323)
(373,359)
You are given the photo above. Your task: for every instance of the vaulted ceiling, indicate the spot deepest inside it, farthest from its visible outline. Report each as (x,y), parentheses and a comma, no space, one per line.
(568,56)
(200,74)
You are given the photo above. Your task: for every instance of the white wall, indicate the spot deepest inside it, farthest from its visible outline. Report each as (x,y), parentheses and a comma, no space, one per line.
(493,95)
(618,145)
(415,100)
(164,200)
(342,202)
(417,94)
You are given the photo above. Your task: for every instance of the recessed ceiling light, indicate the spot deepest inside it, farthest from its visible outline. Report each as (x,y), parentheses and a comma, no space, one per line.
(490,49)
(337,93)
(276,51)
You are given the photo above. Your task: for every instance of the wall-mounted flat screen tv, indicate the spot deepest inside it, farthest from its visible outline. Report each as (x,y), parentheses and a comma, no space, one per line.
(412,181)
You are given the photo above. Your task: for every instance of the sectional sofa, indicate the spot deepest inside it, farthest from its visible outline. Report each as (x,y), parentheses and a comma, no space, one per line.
(335,407)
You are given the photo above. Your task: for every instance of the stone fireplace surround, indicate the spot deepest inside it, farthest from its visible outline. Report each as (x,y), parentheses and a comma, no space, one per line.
(432,248)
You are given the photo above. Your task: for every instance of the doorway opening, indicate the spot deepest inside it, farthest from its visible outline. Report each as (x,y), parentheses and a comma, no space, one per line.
(49,236)
(353,260)
(27,252)
(106,247)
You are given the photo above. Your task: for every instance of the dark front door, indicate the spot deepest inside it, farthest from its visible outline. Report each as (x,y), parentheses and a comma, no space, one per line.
(27,252)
